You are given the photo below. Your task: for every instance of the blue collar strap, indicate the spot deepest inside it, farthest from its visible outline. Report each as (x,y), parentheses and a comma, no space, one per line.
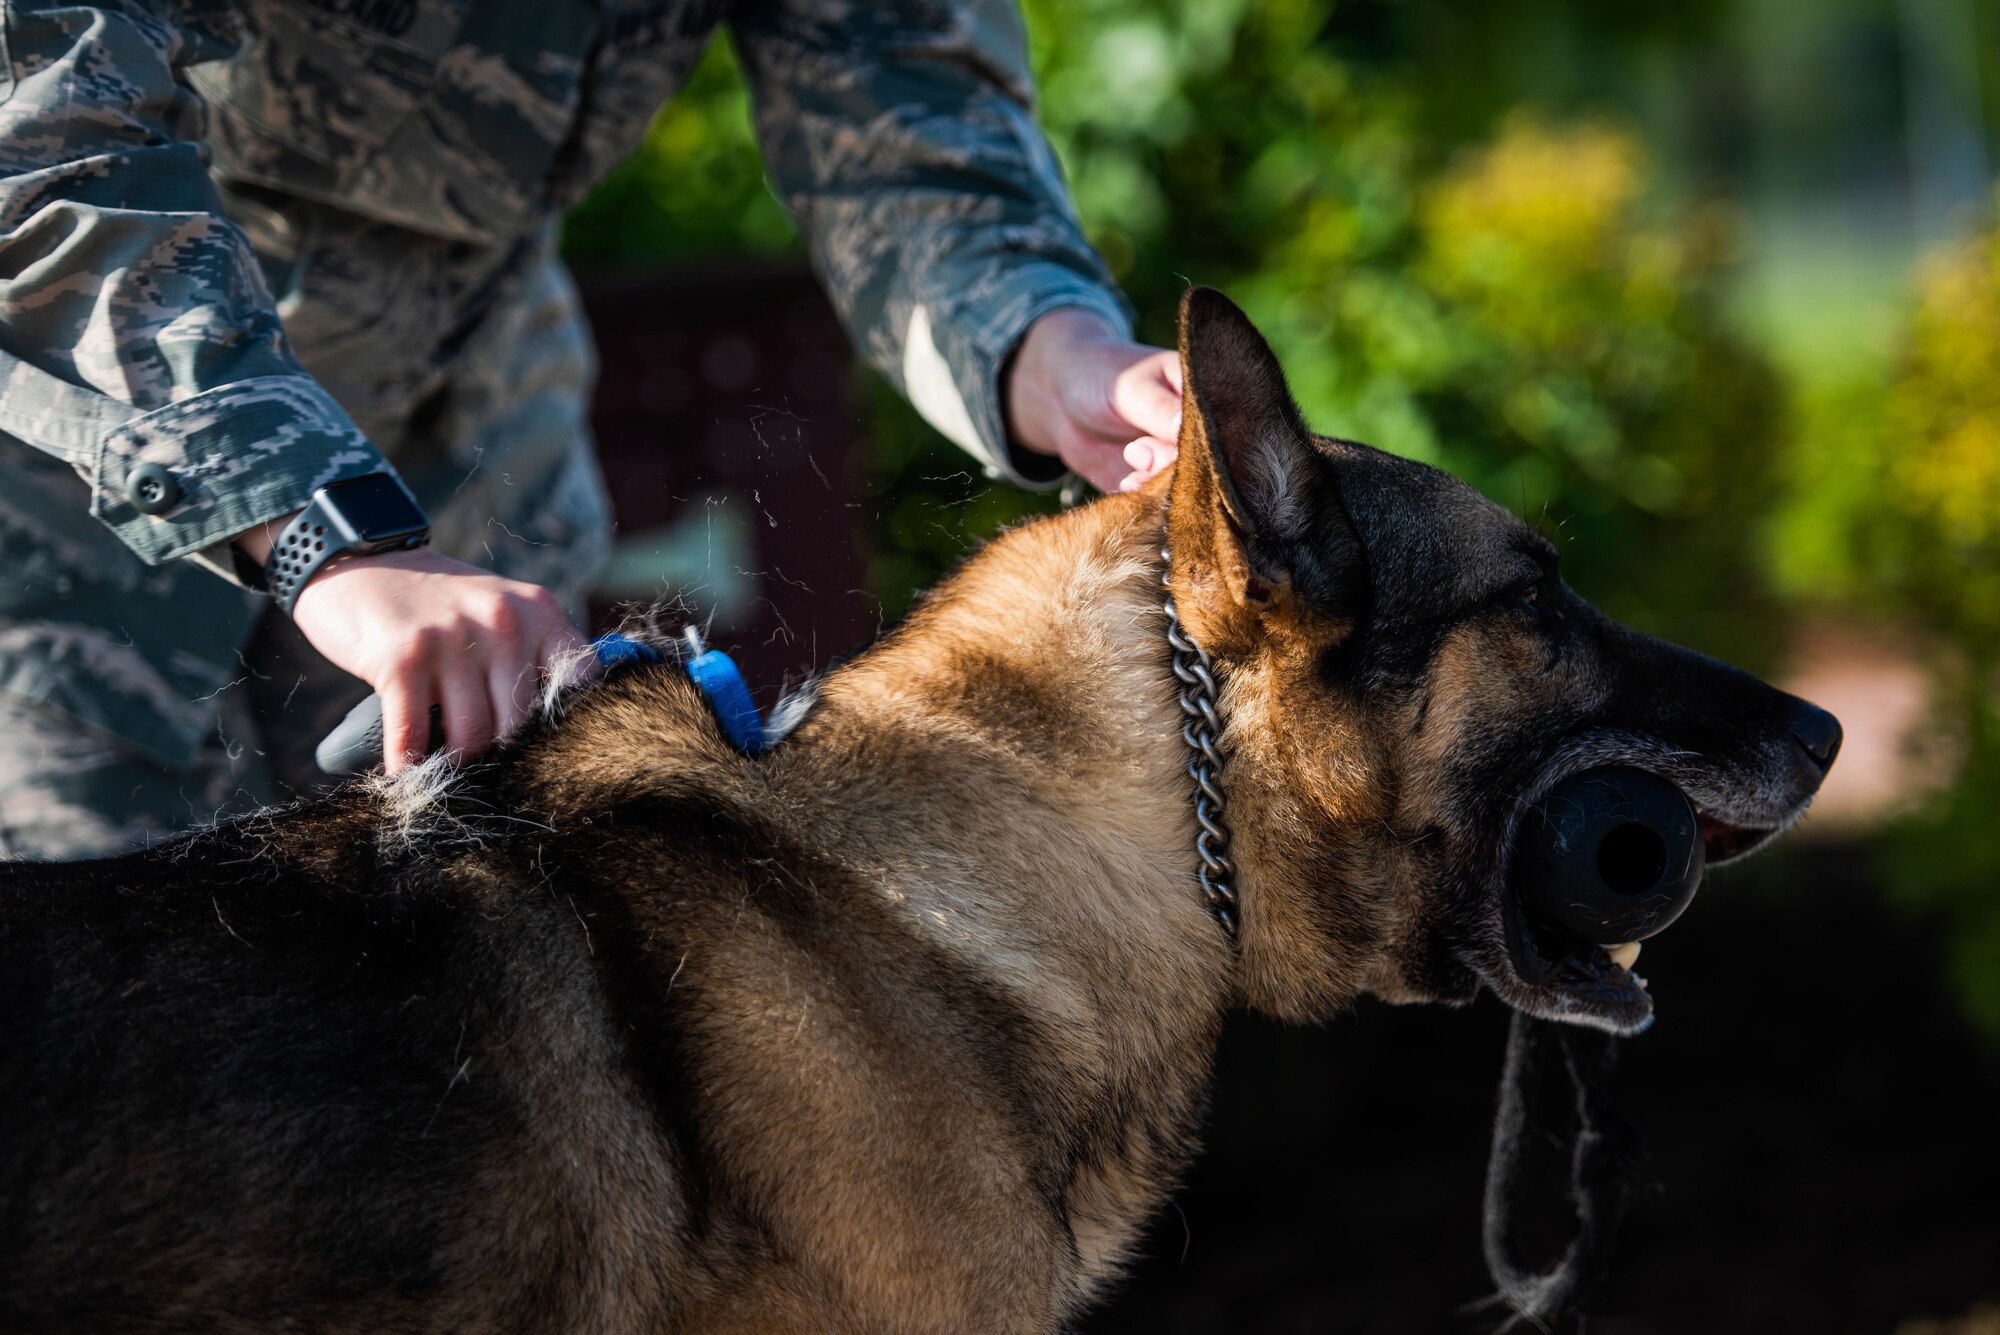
(712,670)
(615,649)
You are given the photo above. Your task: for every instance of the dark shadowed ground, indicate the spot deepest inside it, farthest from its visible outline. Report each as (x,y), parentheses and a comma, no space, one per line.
(1822,1132)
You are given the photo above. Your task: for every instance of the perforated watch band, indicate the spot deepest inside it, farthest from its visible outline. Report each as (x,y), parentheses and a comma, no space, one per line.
(342,519)
(297,556)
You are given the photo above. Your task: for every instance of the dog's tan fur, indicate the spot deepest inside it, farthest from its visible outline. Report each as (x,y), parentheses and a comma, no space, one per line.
(904,1025)
(1048,859)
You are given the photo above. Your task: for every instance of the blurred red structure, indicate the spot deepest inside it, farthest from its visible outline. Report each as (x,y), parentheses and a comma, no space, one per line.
(728,434)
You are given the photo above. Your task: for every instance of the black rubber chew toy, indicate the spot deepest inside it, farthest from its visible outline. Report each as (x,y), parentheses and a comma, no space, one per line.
(1610,855)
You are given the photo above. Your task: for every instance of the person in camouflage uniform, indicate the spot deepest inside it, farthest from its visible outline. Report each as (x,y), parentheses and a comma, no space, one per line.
(271,244)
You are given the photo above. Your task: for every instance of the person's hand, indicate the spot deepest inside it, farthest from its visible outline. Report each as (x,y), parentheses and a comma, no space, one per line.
(1107,407)
(423,629)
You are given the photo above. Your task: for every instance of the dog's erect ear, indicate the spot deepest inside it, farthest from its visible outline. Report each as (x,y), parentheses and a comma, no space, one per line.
(1254,509)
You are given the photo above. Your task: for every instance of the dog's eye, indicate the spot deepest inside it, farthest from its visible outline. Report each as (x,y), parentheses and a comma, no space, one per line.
(1539,596)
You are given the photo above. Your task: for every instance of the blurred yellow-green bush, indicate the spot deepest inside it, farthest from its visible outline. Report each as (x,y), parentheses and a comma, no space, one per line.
(1893,507)
(1941,423)
(1892,499)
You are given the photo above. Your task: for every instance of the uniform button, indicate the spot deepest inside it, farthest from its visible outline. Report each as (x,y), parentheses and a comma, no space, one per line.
(152,489)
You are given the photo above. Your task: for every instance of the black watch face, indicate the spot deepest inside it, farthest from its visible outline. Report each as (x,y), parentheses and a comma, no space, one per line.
(376,506)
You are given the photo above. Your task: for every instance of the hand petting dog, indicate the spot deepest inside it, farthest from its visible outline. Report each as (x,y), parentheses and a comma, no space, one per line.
(1106,406)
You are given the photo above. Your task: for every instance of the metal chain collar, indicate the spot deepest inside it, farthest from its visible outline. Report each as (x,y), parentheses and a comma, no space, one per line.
(1201,732)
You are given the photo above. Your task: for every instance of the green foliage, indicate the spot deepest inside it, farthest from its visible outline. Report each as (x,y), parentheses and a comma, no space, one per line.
(1525,316)
(694,188)
(1944,862)
(1895,505)
(1896,495)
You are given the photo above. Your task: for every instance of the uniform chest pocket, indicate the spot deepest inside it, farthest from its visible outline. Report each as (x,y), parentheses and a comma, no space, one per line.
(319,86)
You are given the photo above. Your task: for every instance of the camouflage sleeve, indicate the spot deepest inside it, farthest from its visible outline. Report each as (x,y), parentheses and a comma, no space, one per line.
(901,136)
(135,325)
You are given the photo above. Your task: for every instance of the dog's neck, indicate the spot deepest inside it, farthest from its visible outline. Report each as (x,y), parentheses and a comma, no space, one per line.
(1040,671)
(1046,656)
(1030,696)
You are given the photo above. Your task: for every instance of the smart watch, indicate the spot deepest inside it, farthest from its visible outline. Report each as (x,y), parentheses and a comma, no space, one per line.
(361,516)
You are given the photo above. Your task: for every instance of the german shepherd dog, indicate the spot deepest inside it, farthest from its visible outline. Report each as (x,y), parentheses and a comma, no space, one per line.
(904,1025)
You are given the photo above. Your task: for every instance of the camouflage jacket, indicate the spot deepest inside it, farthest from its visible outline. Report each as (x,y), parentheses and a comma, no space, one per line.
(177,175)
